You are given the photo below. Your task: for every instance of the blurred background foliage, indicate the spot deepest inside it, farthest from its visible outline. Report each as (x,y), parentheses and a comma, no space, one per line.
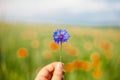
(92,53)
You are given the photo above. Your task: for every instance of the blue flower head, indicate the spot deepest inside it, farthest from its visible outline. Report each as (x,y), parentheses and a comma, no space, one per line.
(61,36)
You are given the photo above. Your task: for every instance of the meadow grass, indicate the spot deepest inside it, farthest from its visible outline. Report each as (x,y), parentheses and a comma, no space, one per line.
(90,54)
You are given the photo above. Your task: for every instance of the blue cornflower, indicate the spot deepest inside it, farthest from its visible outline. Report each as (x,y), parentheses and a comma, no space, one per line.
(61,36)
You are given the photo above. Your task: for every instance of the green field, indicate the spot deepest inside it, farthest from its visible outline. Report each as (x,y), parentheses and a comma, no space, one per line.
(90,54)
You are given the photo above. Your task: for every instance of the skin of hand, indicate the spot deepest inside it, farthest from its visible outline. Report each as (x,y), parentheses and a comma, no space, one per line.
(53,71)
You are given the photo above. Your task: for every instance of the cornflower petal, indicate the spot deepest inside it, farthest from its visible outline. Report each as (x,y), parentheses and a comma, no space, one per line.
(60,36)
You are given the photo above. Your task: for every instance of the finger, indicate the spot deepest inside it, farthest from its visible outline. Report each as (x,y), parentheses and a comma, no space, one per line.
(46,72)
(58,73)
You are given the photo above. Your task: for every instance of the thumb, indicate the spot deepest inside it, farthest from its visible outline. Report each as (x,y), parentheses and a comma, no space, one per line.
(58,73)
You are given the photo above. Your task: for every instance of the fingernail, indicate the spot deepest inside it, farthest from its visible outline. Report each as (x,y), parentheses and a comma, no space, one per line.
(59,67)
(62,64)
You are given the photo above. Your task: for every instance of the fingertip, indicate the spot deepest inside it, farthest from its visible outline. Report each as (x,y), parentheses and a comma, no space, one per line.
(59,66)
(59,72)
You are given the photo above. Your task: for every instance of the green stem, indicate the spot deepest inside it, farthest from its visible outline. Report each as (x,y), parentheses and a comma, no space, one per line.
(60,51)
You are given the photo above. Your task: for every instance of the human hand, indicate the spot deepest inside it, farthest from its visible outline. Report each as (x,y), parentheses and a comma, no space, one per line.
(53,71)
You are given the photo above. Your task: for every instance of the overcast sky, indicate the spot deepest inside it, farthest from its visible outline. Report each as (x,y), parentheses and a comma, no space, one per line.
(76,12)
